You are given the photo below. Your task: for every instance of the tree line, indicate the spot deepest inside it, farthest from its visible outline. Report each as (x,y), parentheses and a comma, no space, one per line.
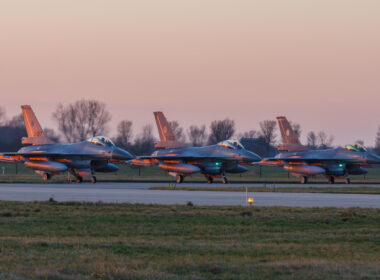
(83,119)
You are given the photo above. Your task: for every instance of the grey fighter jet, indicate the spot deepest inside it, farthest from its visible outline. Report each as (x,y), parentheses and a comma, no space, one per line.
(333,163)
(212,161)
(82,159)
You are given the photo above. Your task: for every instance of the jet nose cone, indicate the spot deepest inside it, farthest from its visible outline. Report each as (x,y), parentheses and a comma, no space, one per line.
(250,157)
(120,154)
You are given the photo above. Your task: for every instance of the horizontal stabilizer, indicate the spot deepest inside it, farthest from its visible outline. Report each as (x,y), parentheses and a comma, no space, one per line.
(8,159)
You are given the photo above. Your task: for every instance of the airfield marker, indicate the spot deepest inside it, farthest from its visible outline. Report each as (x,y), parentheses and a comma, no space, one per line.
(250,201)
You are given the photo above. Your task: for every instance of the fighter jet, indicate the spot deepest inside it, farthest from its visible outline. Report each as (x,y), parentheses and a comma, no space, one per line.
(211,161)
(333,163)
(82,159)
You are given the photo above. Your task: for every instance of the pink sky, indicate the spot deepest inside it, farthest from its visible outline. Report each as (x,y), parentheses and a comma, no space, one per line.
(317,62)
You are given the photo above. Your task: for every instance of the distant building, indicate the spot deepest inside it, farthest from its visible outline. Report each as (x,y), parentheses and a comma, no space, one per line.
(258,146)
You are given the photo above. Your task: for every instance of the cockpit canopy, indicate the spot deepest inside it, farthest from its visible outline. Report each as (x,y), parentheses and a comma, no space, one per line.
(101,141)
(355,148)
(232,144)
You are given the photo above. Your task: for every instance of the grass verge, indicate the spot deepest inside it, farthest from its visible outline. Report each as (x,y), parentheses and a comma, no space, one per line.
(50,240)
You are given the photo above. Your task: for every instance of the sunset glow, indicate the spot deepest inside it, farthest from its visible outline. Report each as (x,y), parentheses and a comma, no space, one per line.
(316,62)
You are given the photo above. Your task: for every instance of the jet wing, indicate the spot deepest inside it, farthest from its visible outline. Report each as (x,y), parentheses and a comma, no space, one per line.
(7,158)
(13,157)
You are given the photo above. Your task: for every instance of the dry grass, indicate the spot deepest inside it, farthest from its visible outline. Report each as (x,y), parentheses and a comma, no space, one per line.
(52,240)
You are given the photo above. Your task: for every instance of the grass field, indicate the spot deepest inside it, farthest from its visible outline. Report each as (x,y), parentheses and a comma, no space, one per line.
(268,175)
(362,190)
(49,240)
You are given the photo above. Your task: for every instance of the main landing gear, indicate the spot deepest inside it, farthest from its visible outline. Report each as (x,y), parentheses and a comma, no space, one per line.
(79,179)
(331,179)
(93,179)
(304,180)
(179,179)
(46,176)
(224,180)
(209,179)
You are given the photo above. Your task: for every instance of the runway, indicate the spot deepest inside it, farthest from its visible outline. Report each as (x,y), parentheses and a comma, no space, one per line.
(140,193)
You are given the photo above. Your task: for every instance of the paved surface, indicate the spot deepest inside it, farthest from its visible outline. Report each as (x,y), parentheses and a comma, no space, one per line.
(268,185)
(140,193)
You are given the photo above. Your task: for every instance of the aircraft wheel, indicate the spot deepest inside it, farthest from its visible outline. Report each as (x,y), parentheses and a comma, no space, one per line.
(46,176)
(347,181)
(79,179)
(331,180)
(224,180)
(93,179)
(209,179)
(304,180)
(179,179)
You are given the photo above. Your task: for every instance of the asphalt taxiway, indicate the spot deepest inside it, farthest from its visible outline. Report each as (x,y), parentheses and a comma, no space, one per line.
(140,193)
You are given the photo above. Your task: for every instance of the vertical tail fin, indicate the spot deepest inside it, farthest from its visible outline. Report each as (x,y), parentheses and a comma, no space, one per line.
(164,129)
(33,127)
(290,140)
(168,139)
(36,135)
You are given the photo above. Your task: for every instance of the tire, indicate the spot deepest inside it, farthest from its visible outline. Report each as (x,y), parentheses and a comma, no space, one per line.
(179,179)
(331,180)
(224,180)
(46,176)
(304,180)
